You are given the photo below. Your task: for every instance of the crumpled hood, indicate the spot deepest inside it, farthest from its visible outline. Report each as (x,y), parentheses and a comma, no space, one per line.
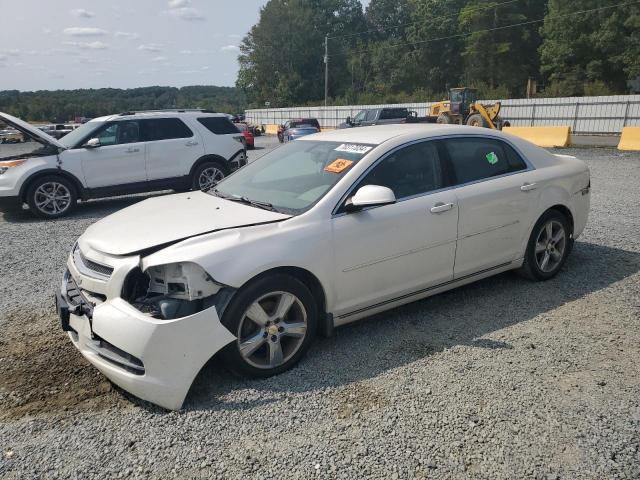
(170,218)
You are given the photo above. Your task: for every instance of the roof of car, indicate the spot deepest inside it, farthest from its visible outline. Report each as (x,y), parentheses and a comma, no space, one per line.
(157,113)
(378,134)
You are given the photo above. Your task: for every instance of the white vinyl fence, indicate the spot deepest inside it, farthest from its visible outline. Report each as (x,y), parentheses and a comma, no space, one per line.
(585,115)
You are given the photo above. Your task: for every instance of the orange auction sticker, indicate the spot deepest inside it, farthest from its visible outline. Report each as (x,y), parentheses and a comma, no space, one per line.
(338,166)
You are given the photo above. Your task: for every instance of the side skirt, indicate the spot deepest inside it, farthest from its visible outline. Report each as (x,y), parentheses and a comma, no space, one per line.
(424,293)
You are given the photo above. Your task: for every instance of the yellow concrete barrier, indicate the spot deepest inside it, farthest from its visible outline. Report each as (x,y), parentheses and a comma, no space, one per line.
(630,139)
(543,136)
(271,128)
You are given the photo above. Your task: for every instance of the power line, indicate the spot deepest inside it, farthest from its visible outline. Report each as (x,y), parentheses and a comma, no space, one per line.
(481,7)
(504,27)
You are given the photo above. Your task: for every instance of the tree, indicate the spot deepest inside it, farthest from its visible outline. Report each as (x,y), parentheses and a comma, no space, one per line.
(281,59)
(495,56)
(593,48)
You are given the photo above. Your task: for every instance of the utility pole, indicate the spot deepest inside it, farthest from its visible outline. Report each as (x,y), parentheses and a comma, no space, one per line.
(326,69)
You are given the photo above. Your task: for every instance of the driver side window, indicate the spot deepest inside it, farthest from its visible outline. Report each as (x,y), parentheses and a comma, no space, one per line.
(412,170)
(119,133)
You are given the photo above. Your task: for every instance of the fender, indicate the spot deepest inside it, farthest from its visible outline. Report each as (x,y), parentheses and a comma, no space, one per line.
(52,171)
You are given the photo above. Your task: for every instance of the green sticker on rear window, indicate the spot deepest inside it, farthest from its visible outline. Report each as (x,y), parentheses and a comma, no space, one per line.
(492,158)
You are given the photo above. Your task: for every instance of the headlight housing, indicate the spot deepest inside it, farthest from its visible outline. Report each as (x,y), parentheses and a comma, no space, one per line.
(183,281)
(4,166)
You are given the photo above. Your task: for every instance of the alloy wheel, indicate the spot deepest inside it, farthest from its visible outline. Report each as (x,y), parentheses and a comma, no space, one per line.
(52,198)
(550,246)
(209,177)
(272,330)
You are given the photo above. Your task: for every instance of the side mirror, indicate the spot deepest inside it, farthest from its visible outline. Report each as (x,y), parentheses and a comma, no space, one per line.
(370,196)
(92,143)
(349,121)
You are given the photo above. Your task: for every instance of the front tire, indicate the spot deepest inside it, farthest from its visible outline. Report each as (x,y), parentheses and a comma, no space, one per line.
(206,175)
(549,246)
(51,197)
(274,319)
(476,120)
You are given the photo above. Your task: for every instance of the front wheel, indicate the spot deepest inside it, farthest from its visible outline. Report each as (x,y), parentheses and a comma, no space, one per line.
(274,320)
(51,197)
(549,245)
(206,175)
(476,120)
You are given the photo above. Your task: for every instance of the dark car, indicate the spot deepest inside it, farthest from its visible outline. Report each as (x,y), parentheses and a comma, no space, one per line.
(299,131)
(296,122)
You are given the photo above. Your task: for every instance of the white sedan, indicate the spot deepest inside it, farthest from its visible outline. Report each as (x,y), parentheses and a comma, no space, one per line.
(318,233)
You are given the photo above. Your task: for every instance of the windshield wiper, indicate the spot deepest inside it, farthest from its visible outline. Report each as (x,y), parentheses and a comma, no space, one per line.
(245,200)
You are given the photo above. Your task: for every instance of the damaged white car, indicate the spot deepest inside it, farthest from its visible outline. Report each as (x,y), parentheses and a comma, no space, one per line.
(323,231)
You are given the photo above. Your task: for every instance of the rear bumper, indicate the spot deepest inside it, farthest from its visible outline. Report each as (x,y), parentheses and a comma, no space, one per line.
(155,360)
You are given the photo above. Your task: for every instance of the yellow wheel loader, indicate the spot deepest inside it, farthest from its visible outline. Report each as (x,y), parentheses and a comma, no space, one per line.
(463,108)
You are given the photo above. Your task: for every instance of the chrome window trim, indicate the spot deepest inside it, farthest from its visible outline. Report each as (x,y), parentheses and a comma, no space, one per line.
(343,198)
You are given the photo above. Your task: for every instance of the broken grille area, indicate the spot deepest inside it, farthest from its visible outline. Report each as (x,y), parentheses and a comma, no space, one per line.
(89,266)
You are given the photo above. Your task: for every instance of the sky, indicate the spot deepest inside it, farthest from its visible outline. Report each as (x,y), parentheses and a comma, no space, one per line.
(67,44)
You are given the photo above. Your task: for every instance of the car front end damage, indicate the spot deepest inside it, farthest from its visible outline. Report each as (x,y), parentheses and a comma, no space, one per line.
(149,332)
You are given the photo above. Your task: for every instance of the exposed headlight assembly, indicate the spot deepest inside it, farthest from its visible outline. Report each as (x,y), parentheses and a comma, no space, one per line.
(4,166)
(174,290)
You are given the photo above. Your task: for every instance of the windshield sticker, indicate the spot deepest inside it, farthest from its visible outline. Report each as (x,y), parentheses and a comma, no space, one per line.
(353,148)
(492,158)
(338,166)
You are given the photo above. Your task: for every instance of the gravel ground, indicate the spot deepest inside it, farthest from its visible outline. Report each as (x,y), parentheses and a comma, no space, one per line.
(500,379)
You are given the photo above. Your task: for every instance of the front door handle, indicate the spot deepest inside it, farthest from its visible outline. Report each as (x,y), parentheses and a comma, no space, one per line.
(441,207)
(132,150)
(528,187)
(191,143)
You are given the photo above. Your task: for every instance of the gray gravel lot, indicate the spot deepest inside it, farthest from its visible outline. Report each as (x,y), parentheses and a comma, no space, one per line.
(499,379)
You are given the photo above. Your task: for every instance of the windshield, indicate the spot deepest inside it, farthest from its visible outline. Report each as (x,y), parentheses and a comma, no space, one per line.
(360,116)
(294,177)
(71,139)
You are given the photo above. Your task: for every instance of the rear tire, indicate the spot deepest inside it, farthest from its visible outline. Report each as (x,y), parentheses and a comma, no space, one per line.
(274,319)
(207,174)
(549,246)
(51,197)
(444,119)
(476,120)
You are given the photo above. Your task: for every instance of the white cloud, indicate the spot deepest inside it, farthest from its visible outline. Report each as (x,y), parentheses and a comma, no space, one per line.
(234,35)
(150,47)
(12,52)
(178,3)
(46,31)
(88,45)
(84,31)
(3,58)
(81,13)
(127,35)
(230,48)
(185,52)
(186,13)
(182,9)
(159,59)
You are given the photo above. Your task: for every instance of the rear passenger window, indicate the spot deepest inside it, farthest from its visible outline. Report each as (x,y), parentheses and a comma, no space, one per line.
(218,125)
(478,158)
(164,129)
(412,170)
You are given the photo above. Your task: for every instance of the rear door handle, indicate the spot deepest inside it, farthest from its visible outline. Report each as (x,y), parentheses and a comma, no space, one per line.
(132,150)
(528,187)
(441,207)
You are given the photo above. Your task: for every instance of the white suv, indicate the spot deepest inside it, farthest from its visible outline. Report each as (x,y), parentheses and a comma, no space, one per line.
(121,154)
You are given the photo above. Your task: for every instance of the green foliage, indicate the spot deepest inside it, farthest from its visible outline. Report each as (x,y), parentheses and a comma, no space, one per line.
(64,105)
(414,50)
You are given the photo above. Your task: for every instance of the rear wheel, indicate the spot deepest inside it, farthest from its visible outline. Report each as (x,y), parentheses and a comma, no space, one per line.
(206,175)
(51,196)
(549,245)
(476,120)
(274,319)
(444,118)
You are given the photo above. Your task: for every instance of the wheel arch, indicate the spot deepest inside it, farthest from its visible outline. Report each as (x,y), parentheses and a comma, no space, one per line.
(565,211)
(211,157)
(80,190)
(311,281)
